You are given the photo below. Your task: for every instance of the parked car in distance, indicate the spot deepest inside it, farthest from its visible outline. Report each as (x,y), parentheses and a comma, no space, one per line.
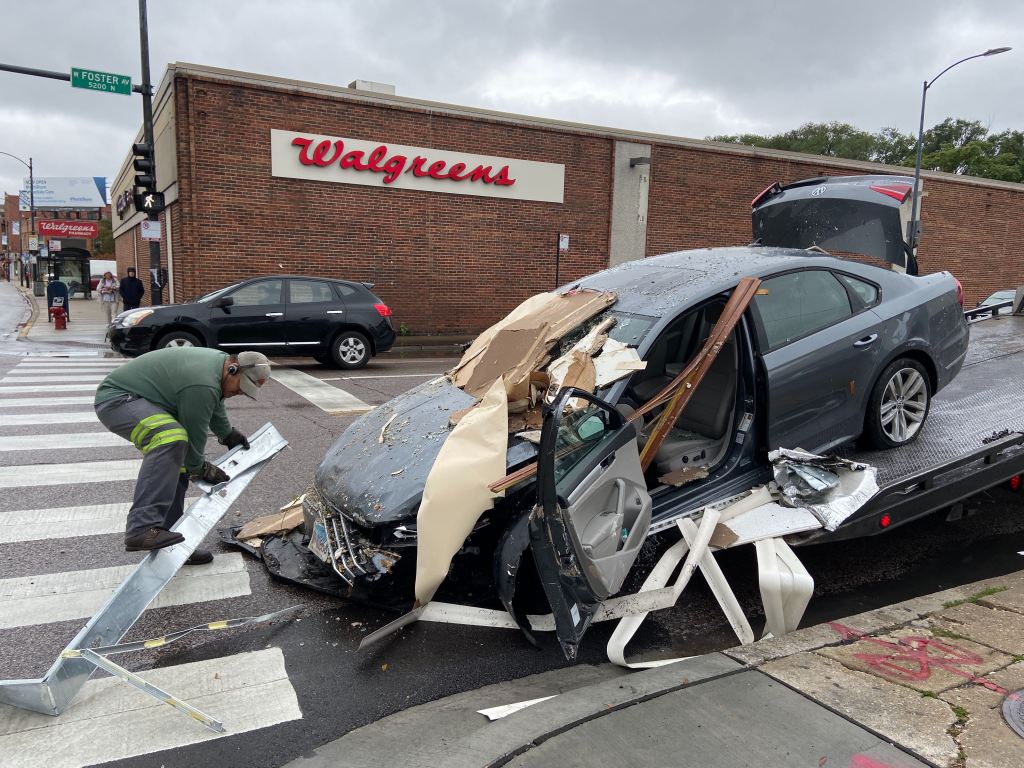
(999,297)
(337,322)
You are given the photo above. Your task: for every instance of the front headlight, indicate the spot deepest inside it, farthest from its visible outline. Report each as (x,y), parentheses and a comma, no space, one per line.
(131,319)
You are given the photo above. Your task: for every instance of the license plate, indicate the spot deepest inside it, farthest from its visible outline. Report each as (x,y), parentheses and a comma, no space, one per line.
(318,543)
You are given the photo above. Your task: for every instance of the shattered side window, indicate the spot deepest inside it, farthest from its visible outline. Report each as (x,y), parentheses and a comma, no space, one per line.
(579,433)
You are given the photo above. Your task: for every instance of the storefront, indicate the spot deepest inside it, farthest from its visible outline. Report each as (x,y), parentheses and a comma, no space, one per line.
(456,214)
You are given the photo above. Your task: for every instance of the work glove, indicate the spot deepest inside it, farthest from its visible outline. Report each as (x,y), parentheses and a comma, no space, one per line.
(211,473)
(233,438)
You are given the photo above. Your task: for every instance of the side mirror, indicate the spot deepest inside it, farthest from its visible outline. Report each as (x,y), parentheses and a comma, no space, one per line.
(223,302)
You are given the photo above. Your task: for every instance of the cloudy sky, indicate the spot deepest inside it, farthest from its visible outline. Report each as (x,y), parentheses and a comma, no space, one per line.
(670,66)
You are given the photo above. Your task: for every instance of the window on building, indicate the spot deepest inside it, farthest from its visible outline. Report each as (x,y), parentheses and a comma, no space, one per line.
(799,303)
(259,294)
(310,292)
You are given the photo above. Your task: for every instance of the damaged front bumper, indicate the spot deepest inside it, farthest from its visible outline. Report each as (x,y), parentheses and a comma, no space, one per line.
(346,547)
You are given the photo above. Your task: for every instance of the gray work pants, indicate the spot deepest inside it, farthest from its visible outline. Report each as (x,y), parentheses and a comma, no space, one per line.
(160,489)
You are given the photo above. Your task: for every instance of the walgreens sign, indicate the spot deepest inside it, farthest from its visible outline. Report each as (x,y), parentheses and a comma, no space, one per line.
(396,166)
(82,229)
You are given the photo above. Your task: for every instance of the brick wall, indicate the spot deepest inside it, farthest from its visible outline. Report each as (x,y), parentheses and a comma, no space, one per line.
(450,263)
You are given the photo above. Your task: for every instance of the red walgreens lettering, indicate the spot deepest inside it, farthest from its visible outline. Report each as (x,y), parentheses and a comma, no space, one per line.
(393,167)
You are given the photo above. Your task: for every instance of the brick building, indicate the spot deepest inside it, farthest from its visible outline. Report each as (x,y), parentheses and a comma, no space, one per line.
(455,212)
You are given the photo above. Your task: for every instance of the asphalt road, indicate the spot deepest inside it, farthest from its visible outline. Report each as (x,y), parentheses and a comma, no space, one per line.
(337,688)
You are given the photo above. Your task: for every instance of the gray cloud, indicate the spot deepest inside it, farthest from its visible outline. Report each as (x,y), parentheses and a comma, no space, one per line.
(683,68)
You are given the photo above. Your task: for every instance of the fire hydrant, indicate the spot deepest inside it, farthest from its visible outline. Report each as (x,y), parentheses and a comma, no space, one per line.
(60,318)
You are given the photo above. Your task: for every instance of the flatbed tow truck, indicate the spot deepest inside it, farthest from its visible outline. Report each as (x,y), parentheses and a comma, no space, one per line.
(974,439)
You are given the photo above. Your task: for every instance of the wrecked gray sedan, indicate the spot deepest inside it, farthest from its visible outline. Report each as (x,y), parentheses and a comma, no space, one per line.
(826,351)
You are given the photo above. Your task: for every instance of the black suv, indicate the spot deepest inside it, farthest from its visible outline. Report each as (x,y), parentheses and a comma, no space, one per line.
(335,321)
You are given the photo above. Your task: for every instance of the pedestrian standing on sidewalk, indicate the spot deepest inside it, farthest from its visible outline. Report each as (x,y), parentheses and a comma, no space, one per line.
(132,290)
(166,402)
(108,295)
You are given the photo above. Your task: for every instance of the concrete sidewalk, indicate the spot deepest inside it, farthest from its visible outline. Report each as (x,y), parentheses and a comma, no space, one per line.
(922,682)
(87,324)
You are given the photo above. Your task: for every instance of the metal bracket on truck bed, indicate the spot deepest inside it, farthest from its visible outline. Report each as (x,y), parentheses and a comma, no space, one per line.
(52,693)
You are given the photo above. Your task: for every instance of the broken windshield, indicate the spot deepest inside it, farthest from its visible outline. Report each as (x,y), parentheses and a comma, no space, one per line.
(629,328)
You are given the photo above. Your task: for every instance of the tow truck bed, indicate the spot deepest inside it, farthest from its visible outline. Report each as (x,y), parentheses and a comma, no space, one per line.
(973,438)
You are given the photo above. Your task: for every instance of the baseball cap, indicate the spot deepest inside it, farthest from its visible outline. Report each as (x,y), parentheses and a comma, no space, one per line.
(254,370)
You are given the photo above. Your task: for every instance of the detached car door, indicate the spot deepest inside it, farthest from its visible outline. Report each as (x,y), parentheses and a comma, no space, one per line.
(255,319)
(313,313)
(593,511)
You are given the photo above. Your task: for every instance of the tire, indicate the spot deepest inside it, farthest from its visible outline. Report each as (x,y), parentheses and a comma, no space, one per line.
(898,405)
(178,339)
(350,350)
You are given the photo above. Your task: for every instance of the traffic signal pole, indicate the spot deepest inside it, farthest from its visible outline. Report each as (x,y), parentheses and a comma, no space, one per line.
(156,286)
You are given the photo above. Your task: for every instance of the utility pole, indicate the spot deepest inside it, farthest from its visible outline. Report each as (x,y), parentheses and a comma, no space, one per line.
(156,287)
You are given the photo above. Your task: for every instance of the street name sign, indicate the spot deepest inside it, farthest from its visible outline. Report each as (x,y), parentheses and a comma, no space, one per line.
(101,81)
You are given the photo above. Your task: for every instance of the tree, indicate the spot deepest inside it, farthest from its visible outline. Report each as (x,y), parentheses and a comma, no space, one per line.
(955,145)
(104,242)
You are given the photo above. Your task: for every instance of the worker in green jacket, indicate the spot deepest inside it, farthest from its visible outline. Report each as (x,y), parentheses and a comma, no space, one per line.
(166,402)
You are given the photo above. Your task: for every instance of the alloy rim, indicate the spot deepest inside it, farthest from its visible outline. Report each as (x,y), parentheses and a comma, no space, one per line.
(904,404)
(179,343)
(351,350)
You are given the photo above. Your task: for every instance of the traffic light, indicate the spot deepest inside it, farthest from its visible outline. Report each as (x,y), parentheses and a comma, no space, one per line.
(147,199)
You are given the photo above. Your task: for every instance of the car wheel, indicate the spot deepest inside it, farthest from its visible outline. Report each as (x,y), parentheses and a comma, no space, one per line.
(178,339)
(898,404)
(350,350)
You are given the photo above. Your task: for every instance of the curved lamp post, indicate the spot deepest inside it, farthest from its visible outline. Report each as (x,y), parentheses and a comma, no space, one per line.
(920,141)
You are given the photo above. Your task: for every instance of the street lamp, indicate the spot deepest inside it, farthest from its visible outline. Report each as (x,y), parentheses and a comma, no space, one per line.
(912,264)
(31,199)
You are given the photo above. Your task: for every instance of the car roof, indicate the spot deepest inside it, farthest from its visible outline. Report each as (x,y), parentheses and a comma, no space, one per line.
(661,284)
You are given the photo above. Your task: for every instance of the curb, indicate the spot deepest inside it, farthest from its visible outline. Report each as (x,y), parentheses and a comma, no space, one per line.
(33,312)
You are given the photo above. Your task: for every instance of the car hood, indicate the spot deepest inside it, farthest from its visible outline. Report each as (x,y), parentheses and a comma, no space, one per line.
(377,481)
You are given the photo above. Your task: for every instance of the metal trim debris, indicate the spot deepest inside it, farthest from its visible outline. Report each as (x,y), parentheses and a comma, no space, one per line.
(52,693)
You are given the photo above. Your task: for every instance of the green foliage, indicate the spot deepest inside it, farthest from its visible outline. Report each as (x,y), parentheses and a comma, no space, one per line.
(955,145)
(976,597)
(104,244)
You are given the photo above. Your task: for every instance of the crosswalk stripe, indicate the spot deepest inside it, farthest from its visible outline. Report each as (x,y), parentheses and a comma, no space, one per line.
(323,396)
(32,419)
(50,597)
(51,388)
(44,402)
(53,378)
(110,721)
(66,441)
(32,475)
(52,362)
(47,370)
(64,522)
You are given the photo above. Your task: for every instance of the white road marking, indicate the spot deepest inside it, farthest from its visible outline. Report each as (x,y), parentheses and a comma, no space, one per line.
(385,376)
(70,370)
(52,388)
(64,522)
(44,402)
(66,441)
(54,378)
(111,721)
(35,362)
(50,597)
(323,396)
(32,475)
(31,419)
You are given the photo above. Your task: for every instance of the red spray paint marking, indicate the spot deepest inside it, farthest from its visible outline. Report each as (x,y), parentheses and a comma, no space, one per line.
(863,761)
(917,653)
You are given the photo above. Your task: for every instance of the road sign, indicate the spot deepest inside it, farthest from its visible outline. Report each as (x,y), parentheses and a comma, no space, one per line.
(150,230)
(101,81)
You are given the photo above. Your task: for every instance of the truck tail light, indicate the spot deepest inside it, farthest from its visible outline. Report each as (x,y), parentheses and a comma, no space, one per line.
(884,521)
(383,310)
(1015,483)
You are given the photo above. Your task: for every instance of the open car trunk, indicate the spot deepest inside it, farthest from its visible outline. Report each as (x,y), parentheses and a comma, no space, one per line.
(867,215)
